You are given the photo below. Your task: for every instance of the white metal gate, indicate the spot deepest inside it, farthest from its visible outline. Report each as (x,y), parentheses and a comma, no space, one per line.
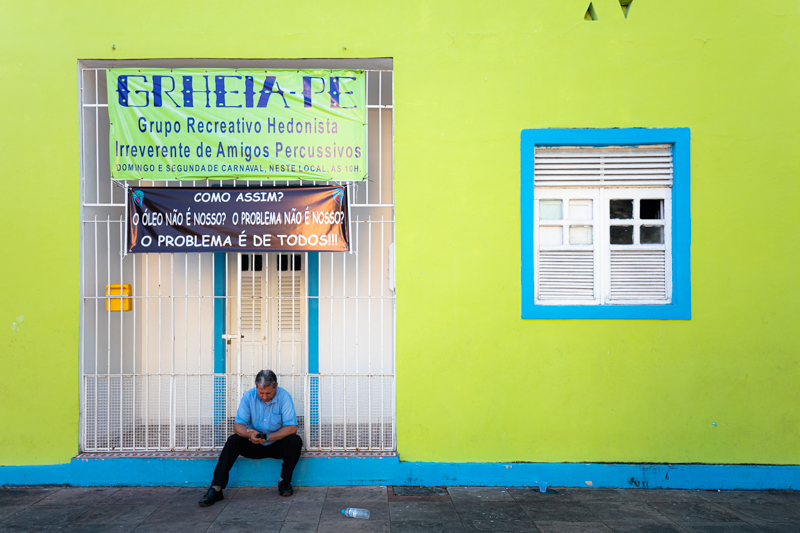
(161,377)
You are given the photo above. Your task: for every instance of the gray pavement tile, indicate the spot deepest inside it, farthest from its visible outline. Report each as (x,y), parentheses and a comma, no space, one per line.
(253,512)
(361,494)
(193,494)
(23,496)
(612,511)
(42,528)
(558,512)
(532,493)
(309,494)
(600,495)
(508,526)
(716,527)
(97,528)
(304,512)
(763,511)
(427,526)
(572,527)
(299,527)
(116,514)
(418,494)
(693,512)
(141,496)
(260,494)
(469,511)
(78,496)
(643,527)
(479,494)
(44,515)
(775,528)
(10,510)
(186,511)
(355,526)
(174,527)
(435,511)
(666,495)
(728,496)
(254,526)
(332,511)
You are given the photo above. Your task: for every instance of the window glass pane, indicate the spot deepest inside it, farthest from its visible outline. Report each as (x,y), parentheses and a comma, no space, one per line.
(621,208)
(651,234)
(550,210)
(551,235)
(621,235)
(580,209)
(580,235)
(651,209)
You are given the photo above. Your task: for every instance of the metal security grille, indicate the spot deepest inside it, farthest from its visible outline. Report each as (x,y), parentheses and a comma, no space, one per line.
(148,379)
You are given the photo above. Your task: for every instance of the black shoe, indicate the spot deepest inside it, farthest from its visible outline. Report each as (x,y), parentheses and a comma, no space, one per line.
(285,489)
(211,497)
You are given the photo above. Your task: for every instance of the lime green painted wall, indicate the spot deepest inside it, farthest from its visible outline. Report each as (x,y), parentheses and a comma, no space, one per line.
(474,381)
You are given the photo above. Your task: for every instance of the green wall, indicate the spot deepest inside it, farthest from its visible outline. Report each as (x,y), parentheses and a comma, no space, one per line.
(474,381)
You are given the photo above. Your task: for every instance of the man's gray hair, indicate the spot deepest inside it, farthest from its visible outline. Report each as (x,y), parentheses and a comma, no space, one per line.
(266,378)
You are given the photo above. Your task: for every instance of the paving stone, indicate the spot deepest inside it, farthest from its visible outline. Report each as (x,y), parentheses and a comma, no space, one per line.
(141,496)
(78,496)
(716,527)
(418,494)
(479,494)
(309,494)
(304,512)
(97,528)
(116,514)
(189,495)
(10,510)
(361,494)
(185,511)
(355,526)
(774,528)
(299,527)
(436,511)
(609,511)
(427,526)
(260,494)
(643,527)
(15,496)
(244,527)
(560,512)
(42,528)
(532,494)
(666,495)
(729,496)
(253,512)
(46,515)
(332,511)
(471,511)
(174,527)
(764,511)
(693,512)
(572,527)
(509,526)
(600,495)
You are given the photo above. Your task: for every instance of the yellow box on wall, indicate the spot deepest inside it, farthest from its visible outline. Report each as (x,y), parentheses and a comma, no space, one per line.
(124,291)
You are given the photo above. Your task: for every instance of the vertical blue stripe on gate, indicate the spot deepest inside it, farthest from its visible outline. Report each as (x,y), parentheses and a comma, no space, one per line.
(220,347)
(312,269)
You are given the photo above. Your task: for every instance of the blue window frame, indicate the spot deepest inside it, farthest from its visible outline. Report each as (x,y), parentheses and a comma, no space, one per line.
(680,307)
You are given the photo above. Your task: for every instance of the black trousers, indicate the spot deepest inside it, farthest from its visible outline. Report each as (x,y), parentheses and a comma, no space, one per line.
(287,449)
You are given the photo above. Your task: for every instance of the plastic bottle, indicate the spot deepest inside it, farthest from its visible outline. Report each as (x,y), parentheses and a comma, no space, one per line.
(354,512)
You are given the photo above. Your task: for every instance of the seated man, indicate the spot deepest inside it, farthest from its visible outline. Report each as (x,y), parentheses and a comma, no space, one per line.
(265,409)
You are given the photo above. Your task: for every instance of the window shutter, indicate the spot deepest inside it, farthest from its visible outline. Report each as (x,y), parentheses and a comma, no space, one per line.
(252,306)
(288,333)
(638,275)
(566,275)
(610,166)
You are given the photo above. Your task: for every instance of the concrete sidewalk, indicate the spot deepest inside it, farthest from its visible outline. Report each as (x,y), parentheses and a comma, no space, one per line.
(397,509)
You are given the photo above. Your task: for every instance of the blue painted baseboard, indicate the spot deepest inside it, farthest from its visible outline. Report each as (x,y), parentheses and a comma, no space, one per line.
(318,471)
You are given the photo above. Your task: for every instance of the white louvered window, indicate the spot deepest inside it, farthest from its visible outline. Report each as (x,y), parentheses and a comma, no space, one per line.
(602,225)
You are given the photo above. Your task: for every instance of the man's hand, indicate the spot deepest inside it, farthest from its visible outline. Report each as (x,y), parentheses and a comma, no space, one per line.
(251,434)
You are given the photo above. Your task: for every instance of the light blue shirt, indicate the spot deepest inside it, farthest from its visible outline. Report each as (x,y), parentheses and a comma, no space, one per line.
(266,417)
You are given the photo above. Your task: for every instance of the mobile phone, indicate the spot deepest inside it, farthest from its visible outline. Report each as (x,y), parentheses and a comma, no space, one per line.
(261,435)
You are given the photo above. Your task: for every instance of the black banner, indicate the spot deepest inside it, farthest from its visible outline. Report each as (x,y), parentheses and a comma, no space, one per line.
(237,219)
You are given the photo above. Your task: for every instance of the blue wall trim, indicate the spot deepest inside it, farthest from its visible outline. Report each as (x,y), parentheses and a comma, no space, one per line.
(317,471)
(680,138)
(312,274)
